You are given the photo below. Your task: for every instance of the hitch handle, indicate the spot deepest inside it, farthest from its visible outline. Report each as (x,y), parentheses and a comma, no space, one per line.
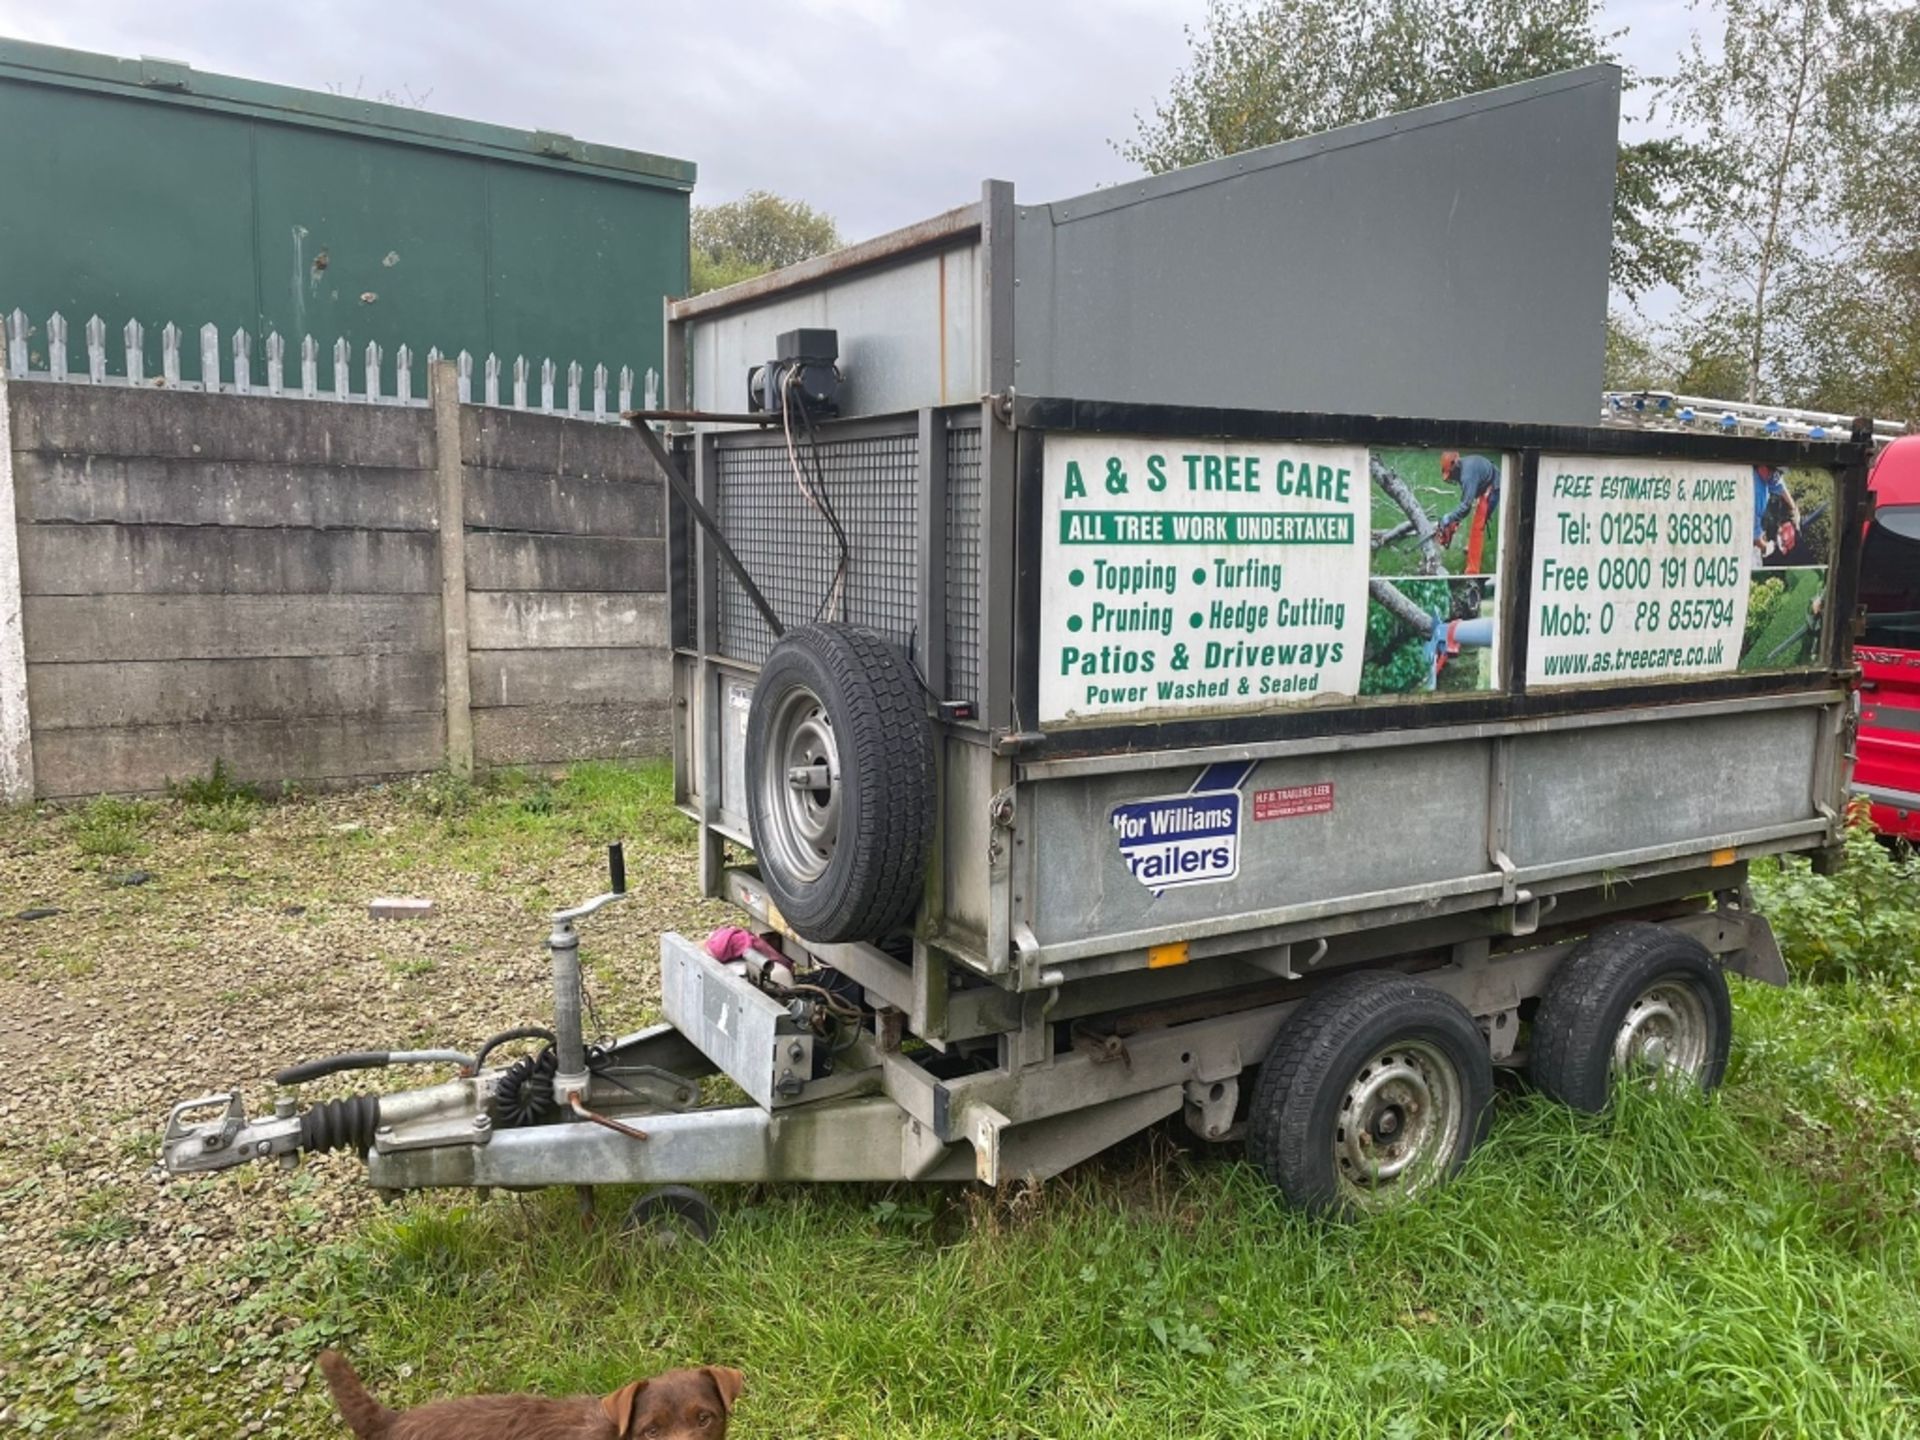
(371,1060)
(617,868)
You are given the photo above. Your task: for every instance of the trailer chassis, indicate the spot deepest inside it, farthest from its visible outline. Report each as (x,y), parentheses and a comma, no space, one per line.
(1076,1068)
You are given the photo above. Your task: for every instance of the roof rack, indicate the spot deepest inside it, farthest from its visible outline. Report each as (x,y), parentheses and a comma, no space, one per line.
(1665,410)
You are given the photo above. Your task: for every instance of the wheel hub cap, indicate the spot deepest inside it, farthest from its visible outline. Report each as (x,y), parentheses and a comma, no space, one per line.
(1665,1032)
(1399,1124)
(800,787)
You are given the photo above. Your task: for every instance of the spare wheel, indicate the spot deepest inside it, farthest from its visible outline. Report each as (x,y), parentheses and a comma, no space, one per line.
(840,782)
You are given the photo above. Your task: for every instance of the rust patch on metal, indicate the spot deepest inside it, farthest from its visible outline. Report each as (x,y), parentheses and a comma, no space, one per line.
(941,231)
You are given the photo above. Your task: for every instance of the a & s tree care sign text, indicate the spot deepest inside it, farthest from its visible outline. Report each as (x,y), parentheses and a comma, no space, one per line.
(1639,569)
(1185,576)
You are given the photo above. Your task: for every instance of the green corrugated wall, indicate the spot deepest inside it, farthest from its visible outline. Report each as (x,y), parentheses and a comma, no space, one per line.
(130,189)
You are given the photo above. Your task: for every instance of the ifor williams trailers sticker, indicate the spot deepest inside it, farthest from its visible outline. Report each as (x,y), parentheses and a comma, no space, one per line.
(1174,840)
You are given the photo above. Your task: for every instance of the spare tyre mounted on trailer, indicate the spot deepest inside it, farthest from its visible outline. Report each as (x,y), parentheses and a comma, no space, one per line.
(1073,764)
(840,782)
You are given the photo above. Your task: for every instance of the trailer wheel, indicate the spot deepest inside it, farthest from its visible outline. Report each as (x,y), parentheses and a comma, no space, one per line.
(1637,1000)
(840,787)
(1376,1088)
(674,1213)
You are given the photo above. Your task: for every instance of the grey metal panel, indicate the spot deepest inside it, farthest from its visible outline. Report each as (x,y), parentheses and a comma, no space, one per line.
(965,835)
(735,706)
(734,1025)
(909,336)
(1594,793)
(1448,262)
(1393,824)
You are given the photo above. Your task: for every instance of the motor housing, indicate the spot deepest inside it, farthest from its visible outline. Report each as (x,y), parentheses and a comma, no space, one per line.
(805,368)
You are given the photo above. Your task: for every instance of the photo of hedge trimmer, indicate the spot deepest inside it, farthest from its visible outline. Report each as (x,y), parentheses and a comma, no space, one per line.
(1809,630)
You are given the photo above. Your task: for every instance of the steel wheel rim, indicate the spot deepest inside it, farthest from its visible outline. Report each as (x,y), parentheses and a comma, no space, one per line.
(800,785)
(1399,1123)
(1665,1033)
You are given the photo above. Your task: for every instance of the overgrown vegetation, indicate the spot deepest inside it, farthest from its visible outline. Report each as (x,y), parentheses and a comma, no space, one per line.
(1745,1266)
(217,801)
(1860,924)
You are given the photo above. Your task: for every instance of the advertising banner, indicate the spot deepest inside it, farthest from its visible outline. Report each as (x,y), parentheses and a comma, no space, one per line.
(1645,569)
(1183,577)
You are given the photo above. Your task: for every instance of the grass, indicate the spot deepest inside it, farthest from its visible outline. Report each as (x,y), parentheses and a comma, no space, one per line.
(110,827)
(1739,1268)
(1746,1266)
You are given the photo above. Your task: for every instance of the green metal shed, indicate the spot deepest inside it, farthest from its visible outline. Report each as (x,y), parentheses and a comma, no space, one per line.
(151,191)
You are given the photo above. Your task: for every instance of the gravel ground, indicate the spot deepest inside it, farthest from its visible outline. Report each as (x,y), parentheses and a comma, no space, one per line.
(202,944)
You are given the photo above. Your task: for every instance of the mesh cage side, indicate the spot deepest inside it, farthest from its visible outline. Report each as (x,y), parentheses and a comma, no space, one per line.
(788,548)
(964,564)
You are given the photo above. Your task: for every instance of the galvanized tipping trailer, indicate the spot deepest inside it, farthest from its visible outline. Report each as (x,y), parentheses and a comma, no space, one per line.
(1079,763)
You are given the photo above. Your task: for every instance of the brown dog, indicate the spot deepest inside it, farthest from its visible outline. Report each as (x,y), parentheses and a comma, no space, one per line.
(679,1405)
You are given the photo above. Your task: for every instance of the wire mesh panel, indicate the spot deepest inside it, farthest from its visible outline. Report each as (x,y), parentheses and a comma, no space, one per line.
(963,564)
(788,547)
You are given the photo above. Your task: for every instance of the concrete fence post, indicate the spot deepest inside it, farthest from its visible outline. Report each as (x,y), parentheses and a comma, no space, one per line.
(443,382)
(16,730)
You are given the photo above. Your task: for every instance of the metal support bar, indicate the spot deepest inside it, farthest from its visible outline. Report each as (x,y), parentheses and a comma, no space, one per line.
(683,492)
(569,1049)
(709,677)
(930,619)
(997,480)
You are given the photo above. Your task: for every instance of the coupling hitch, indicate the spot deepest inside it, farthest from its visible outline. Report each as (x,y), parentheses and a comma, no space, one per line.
(454,1112)
(218,1144)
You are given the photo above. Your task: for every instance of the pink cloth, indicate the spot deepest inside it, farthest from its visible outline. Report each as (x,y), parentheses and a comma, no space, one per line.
(730,942)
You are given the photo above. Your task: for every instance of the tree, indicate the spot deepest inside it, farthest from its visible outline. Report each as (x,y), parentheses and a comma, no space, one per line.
(758,232)
(1633,362)
(1762,106)
(1263,71)
(1811,112)
(1859,352)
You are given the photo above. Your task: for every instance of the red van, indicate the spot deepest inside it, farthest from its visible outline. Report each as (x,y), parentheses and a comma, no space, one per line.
(1888,770)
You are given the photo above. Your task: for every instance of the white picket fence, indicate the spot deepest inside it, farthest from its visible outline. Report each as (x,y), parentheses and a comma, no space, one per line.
(580,397)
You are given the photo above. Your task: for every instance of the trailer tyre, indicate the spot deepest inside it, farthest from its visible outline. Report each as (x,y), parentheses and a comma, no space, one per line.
(840,786)
(1635,999)
(1376,1088)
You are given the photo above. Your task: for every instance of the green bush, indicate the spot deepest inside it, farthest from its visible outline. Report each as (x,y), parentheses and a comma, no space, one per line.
(1762,601)
(1395,661)
(1861,922)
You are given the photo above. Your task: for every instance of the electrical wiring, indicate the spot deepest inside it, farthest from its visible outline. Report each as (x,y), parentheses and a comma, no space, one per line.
(815,491)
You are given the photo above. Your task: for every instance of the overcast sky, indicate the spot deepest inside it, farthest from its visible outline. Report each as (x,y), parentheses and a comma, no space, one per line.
(881,112)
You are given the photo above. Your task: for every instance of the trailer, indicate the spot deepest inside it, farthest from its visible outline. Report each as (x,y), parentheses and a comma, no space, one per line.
(1093,725)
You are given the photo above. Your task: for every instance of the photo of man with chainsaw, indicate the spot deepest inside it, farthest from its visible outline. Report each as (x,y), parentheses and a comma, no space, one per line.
(1788,526)
(1436,511)
(1479,480)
